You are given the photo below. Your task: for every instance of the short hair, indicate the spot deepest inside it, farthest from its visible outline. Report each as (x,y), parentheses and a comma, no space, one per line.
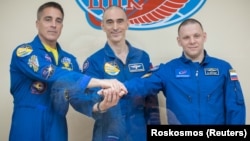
(189,21)
(114,6)
(49,4)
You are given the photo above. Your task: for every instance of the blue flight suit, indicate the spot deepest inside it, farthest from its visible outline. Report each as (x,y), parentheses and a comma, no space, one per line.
(36,81)
(196,93)
(127,120)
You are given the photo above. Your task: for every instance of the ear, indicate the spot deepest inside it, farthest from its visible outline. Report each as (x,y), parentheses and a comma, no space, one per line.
(178,40)
(205,36)
(37,23)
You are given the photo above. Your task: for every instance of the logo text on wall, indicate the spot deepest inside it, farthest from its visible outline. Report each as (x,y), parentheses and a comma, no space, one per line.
(143,14)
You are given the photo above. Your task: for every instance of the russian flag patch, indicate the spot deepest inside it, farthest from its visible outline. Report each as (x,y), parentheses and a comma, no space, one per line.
(233,74)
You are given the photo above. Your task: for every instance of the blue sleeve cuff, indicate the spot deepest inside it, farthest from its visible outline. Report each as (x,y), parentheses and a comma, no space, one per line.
(84,102)
(85,81)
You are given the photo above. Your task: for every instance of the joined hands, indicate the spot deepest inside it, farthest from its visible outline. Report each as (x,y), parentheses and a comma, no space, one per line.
(112,90)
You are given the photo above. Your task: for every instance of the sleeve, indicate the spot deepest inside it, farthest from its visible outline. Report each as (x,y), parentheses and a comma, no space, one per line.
(37,65)
(68,88)
(235,105)
(149,84)
(84,102)
(152,109)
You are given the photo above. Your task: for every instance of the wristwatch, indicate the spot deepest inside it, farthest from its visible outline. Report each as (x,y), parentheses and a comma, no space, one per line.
(98,108)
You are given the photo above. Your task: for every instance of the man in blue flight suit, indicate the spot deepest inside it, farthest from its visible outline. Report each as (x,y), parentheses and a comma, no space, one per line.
(42,76)
(118,59)
(199,89)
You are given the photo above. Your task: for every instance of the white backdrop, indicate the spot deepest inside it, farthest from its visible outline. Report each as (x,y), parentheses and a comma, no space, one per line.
(225,21)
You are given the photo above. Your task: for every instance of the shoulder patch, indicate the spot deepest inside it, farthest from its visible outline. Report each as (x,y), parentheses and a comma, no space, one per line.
(33,63)
(233,75)
(85,65)
(24,50)
(155,68)
(149,73)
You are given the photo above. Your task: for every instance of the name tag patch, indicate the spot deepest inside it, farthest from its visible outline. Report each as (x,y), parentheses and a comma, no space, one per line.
(211,71)
(137,67)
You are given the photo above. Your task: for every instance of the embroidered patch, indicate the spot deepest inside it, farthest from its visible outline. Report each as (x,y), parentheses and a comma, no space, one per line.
(211,71)
(111,68)
(233,74)
(48,71)
(85,65)
(33,63)
(136,67)
(24,50)
(182,72)
(38,87)
(67,64)
(48,58)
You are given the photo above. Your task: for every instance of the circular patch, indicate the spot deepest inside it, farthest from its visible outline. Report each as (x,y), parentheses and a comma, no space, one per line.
(111,68)
(38,87)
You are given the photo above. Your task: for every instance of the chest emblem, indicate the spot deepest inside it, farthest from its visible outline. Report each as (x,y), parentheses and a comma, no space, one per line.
(111,68)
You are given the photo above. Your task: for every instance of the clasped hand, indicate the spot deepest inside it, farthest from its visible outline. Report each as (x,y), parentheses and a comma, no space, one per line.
(112,90)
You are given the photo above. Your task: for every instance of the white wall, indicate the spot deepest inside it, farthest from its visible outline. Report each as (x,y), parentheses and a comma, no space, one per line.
(225,21)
